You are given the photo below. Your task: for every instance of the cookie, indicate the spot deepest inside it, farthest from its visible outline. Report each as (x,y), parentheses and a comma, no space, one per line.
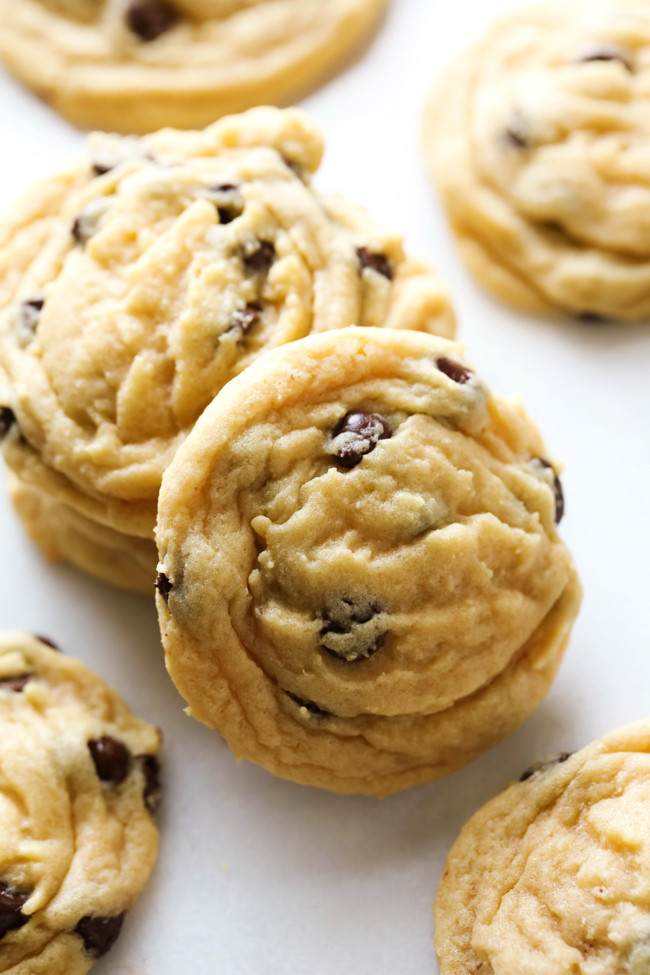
(133,287)
(137,65)
(80,781)
(536,139)
(361,585)
(64,533)
(554,874)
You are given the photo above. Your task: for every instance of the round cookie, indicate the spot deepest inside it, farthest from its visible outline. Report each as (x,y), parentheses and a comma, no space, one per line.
(78,786)
(361,583)
(537,140)
(554,874)
(138,65)
(137,284)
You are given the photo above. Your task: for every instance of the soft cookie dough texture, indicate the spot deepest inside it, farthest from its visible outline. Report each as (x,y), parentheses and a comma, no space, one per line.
(137,65)
(538,140)
(78,786)
(361,583)
(553,876)
(133,287)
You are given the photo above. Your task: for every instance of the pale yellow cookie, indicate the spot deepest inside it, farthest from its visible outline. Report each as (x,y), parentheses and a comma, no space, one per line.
(553,876)
(537,139)
(64,533)
(361,582)
(79,781)
(137,65)
(133,287)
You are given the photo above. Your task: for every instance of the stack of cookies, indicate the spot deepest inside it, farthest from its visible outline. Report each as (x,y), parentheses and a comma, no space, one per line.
(139,282)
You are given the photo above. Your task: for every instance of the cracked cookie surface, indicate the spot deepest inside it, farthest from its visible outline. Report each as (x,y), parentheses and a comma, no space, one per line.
(136,285)
(361,583)
(537,140)
(138,65)
(79,781)
(553,875)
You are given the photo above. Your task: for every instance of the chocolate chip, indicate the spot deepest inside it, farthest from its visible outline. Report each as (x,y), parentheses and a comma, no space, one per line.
(99,934)
(11,902)
(111,758)
(163,585)
(227,199)
(378,262)
(454,370)
(151,771)
(150,18)
(544,764)
(352,629)
(607,52)
(516,133)
(246,318)
(557,488)
(48,643)
(260,260)
(7,420)
(309,706)
(27,317)
(87,223)
(15,684)
(356,435)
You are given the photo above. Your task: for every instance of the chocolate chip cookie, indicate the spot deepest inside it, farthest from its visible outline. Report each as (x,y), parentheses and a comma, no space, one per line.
(79,782)
(537,139)
(554,874)
(134,286)
(361,584)
(137,65)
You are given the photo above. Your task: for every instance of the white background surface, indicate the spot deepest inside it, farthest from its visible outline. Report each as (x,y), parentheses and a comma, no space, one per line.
(258,876)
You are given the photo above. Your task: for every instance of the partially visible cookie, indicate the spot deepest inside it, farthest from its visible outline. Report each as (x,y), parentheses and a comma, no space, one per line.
(553,876)
(137,65)
(133,287)
(62,532)
(537,139)
(361,582)
(79,781)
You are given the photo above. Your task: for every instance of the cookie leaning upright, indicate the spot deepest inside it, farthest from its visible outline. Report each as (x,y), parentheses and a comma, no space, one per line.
(361,582)
(537,139)
(553,875)
(137,284)
(79,783)
(137,65)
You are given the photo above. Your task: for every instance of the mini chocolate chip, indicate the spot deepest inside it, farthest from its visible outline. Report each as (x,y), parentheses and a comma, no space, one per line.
(27,317)
(163,585)
(378,262)
(260,260)
(246,318)
(308,706)
(229,204)
(516,134)
(48,643)
(87,223)
(11,902)
(111,758)
(351,630)
(150,18)
(152,789)
(7,420)
(99,934)
(557,489)
(544,764)
(15,684)
(454,370)
(356,435)
(607,52)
